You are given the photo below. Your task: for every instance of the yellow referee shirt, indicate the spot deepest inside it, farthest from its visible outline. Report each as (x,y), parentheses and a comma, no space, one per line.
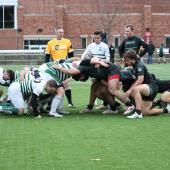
(59,49)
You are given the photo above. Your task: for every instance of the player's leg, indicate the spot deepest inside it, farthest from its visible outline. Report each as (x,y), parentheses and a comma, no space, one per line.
(16,98)
(68,93)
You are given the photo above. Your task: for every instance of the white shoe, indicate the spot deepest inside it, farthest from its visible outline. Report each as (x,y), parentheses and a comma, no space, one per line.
(38,117)
(109,111)
(64,112)
(71,106)
(168,108)
(129,110)
(51,114)
(135,116)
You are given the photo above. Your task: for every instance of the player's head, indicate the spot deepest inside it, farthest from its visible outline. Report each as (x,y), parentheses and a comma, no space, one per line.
(130,58)
(8,75)
(97,37)
(59,32)
(80,77)
(51,86)
(129,30)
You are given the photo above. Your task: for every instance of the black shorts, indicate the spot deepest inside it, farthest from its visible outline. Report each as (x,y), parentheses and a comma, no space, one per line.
(163,85)
(153,92)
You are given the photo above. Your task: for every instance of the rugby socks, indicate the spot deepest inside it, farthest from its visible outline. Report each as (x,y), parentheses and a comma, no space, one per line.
(113,107)
(138,111)
(8,108)
(89,106)
(60,106)
(55,103)
(68,95)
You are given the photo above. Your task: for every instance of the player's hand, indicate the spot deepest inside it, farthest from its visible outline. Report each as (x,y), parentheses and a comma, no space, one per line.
(56,67)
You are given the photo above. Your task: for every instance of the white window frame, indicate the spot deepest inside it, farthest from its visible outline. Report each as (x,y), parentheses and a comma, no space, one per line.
(11,3)
(33,37)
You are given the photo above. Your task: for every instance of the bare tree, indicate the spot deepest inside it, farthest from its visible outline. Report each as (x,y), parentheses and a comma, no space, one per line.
(108,13)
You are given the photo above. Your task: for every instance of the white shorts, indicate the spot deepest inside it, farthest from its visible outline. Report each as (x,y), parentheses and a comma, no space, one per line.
(15,95)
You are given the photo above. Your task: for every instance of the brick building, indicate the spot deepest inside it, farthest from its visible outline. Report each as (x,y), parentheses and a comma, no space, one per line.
(29,24)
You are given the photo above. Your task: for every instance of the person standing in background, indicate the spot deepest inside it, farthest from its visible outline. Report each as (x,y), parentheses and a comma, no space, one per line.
(132,42)
(150,55)
(161,54)
(60,48)
(112,52)
(104,36)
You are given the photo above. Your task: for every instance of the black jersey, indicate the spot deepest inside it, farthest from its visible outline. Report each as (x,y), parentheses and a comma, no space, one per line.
(133,43)
(140,69)
(101,73)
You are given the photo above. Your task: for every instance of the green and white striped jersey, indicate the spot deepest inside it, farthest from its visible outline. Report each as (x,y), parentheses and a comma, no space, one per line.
(26,87)
(58,75)
(17,76)
(29,86)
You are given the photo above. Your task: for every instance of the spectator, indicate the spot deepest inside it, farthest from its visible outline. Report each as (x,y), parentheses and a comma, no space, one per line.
(161,54)
(150,55)
(112,52)
(132,42)
(104,36)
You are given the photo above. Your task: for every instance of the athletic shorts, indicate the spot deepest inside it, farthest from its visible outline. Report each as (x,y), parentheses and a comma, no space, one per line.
(153,92)
(114,73)
(15,95)
(163,85)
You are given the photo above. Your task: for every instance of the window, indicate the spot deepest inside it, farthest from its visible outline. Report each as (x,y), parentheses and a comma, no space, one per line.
(168,42)
(8,14)
(83,41)
(116,41)
(35,44)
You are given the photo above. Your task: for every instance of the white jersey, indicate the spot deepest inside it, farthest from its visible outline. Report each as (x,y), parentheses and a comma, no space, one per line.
(100,50)
(19,91)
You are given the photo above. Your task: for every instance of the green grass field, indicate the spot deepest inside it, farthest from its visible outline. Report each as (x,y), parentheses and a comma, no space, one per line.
(89,141)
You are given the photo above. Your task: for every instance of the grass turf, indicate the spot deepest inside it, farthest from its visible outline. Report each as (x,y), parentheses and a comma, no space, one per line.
(86,141)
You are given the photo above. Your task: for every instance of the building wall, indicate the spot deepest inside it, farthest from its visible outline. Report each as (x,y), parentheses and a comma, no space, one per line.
(86,16)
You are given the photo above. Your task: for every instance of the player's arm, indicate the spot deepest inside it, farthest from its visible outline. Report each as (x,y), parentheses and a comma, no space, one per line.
(47,58)
(71,54)
(95,60)
(23,73)
(138,81)
(107,55)
(121,49)
(72,71)
(70,51)
(34,104)
(146,47)
(73,59)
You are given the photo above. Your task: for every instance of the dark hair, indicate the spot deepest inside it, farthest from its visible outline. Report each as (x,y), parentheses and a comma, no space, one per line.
(131,27)
(77,77)
(53,83)
(130,55)
(98,33)
(11,74)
